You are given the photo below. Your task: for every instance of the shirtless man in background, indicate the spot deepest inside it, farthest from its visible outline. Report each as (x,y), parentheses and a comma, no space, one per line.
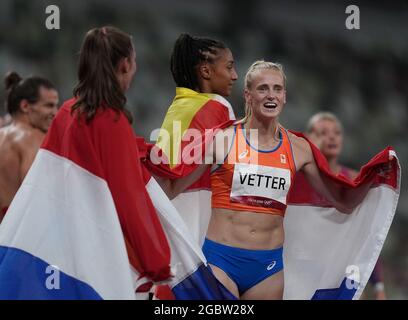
(32,104)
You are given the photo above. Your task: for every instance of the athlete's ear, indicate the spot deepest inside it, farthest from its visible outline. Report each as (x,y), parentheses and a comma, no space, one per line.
(24,106)
(284,96)
(247,96)
(205,71)
(124,65)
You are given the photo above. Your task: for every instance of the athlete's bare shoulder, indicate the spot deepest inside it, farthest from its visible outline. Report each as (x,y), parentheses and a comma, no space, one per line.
(7,138)
(21,138)
(24,136)
(301,150)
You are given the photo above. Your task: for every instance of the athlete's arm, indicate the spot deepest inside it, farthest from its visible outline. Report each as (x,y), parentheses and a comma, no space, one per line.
(173,187)
(305,162)
(216,152)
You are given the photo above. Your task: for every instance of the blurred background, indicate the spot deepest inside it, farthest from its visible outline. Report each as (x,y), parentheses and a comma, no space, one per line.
(360,75)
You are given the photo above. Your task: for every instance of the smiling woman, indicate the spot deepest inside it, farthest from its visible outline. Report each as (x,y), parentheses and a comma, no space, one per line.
(272,85)
(250,187)
(245,237)
(256,163)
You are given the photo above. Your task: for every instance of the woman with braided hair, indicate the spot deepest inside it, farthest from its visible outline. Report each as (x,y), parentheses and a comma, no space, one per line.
(204,73)
(203,65)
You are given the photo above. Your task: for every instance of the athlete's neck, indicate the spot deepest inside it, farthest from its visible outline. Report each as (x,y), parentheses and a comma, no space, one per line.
(204,87)
(22,122)
(266,129)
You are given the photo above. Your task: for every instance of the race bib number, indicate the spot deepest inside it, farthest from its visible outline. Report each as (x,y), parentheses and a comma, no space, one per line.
(258,185)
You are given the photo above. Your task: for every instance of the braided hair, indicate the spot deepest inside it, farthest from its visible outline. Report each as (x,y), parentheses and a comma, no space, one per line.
(188,53)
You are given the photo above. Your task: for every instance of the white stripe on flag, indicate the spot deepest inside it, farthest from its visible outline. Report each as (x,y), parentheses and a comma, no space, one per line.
(321,244)
(186,255)
(194,207)
(66,216)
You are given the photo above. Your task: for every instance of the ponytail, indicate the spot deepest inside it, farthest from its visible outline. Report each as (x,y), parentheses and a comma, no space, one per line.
(98,86)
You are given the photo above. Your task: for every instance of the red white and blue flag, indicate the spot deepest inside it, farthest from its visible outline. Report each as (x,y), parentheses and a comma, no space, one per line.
(89,222)
(329,254)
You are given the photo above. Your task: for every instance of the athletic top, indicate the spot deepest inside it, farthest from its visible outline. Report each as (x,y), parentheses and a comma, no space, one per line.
(254,180)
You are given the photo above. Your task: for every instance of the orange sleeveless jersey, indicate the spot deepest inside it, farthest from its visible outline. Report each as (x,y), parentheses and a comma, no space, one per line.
(254,180)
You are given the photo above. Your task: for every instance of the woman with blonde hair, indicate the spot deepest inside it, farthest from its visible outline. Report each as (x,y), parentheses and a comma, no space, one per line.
(256,162)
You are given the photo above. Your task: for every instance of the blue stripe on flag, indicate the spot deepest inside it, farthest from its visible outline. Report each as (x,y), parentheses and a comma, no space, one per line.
(202,285)
(23,276)
(340,293)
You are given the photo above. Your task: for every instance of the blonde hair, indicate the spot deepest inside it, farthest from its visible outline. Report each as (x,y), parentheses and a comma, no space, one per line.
(322,116)
(256,67)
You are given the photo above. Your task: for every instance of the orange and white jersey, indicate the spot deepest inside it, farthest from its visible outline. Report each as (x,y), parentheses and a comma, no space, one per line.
(254,180)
